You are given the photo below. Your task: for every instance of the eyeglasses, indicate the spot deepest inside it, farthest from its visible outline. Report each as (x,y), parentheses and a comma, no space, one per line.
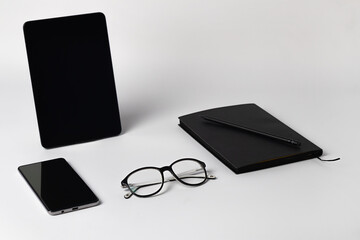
(148,181)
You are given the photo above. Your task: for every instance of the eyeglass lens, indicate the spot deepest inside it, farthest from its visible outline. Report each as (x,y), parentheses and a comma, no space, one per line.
(190,172)
(146,181)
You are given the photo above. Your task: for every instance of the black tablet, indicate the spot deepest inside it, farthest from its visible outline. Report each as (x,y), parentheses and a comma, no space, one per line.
(58,186)
(72,79)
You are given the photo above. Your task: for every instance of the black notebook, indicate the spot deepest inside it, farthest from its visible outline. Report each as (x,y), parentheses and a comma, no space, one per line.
(243,151)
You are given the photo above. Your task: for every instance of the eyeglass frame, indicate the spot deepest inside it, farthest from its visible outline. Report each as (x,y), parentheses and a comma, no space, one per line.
(125,184)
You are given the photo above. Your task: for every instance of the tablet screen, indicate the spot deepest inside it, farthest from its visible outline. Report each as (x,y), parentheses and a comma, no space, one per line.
(72,79)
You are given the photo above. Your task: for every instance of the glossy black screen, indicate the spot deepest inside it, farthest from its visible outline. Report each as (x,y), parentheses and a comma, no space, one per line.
(58,186)
(72,79)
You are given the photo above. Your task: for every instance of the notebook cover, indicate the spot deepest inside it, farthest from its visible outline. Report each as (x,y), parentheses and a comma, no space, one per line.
(242,151)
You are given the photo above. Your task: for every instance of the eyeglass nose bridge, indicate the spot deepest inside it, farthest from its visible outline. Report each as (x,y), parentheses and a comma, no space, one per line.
(167,168)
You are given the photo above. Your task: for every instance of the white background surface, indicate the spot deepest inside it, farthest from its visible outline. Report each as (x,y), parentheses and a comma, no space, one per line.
(299,60)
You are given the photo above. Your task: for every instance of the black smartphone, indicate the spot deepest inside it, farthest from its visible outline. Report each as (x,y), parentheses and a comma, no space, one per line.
(58,186)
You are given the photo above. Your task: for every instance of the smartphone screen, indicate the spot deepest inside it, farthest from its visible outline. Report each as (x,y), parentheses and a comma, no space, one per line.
(58,186)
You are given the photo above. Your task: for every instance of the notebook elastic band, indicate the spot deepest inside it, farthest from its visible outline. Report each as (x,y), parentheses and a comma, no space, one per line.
(329,160)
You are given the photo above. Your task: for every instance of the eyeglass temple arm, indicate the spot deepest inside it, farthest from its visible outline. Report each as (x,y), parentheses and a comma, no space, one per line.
(134,188)
(186,174)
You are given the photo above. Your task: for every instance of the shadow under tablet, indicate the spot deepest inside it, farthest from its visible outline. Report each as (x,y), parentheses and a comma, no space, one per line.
(72,79)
